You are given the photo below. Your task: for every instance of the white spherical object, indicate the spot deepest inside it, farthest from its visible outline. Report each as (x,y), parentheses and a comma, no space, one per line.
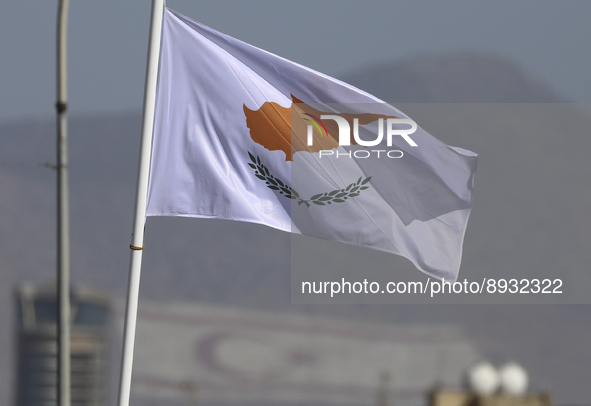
(514,379)
(483,378)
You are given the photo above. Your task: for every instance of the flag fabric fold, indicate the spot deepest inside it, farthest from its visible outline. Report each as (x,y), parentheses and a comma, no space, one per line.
(231,142)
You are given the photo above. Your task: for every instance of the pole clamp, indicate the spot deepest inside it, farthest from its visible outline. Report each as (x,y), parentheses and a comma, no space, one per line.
(61,107)
(133,247)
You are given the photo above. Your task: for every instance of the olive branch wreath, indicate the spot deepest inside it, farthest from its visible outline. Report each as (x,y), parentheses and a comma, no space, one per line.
(320,199)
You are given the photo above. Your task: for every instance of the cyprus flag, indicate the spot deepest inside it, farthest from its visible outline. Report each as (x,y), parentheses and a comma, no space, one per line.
(242,134)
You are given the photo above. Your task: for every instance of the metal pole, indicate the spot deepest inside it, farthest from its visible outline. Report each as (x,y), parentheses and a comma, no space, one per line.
(63,223)
(139,219)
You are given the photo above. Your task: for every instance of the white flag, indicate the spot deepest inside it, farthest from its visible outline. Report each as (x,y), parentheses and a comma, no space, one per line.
(242,134)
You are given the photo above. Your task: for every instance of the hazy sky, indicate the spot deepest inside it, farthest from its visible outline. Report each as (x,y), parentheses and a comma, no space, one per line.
(108,41)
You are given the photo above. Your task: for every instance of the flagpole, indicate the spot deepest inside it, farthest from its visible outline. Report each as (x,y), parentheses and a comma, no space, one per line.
(137,237)
(63,221)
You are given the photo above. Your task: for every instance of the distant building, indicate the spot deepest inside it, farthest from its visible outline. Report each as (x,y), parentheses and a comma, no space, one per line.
(468,398)
(490,386)
(36,338)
